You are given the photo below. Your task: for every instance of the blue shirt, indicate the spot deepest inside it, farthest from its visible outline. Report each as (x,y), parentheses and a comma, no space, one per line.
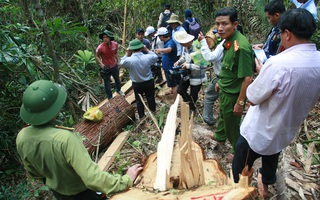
(272,43)
(139,65)
(168,59)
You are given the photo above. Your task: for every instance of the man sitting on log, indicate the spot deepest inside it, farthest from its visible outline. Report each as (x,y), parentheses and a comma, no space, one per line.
(57,156)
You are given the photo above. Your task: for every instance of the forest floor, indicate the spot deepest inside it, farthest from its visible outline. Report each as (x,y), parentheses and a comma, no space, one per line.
(298,171)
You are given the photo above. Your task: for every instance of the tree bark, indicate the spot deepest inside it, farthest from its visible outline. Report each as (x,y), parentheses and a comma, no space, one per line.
(124,23)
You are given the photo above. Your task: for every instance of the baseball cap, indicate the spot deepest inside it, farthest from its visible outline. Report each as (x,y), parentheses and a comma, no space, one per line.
(162,31)
(149,30)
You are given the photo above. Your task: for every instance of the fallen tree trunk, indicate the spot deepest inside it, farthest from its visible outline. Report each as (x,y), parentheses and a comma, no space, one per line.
(117,113)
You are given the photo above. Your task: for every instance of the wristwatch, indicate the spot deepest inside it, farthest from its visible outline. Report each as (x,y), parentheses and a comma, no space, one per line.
(241,103)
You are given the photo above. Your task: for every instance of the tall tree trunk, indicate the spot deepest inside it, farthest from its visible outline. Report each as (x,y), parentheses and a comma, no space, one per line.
(124,23)
(48,41)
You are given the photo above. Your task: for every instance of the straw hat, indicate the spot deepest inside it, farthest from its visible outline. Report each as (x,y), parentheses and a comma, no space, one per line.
(174,19)
(183,37)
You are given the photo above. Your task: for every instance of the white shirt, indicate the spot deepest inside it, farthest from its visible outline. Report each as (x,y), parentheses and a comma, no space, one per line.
(213,56)
(286,89)
(309,5)
(179,46)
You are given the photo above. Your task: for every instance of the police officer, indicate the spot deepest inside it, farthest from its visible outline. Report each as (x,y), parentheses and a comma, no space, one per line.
(57,156)
(234,78)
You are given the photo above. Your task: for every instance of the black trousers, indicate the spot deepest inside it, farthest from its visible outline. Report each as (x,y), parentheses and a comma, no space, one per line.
(194,91)
(85,195)
(144,88)
(244,155)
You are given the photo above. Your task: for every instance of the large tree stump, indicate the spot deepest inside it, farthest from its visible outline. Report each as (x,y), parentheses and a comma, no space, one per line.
(117,113)
(183,167)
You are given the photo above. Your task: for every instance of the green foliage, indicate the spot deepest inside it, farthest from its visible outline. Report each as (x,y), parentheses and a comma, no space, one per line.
(85,57)
(22,190)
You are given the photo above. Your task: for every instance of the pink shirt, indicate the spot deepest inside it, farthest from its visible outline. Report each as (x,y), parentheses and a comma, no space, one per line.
(108,53)
(284,92)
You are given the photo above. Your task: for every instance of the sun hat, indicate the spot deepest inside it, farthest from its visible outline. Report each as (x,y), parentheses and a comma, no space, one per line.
(135,44)
(149,30)
(106,32)
(174,19)
(162,31)
(183,37)
(42,101)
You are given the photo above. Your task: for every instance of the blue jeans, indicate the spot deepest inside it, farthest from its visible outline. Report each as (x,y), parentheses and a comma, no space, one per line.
(114,72)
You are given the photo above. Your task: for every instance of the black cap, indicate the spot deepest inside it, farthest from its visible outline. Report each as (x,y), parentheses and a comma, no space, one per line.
(167,5)
(139,30)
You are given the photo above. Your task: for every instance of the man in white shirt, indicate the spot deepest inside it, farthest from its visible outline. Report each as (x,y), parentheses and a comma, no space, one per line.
(281,97)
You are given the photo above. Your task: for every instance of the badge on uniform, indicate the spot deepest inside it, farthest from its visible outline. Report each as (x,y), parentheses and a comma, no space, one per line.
(236,45)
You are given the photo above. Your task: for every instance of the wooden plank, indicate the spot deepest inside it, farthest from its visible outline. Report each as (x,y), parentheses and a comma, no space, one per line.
(125,89)
(108,157)
(165,149)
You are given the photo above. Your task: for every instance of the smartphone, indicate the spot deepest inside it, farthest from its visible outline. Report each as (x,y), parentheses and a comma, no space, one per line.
(260,54)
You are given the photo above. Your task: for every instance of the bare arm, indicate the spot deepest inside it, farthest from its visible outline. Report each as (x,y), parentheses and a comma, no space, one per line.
(99,61)
(163,50)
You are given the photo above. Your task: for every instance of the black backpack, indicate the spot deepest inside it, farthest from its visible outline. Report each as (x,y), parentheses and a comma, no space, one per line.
(165,18)
(194,27)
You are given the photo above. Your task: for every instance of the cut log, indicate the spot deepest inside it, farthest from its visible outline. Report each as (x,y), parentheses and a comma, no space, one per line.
(117,113)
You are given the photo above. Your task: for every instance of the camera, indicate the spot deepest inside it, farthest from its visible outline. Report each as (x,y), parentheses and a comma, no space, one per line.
(178,72)
(157,65)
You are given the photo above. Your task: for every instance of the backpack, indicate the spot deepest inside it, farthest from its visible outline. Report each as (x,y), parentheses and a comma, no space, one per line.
(165,18)
(194,27)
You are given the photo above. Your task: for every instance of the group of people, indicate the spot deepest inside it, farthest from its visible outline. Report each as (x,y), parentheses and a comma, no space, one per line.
(280,98)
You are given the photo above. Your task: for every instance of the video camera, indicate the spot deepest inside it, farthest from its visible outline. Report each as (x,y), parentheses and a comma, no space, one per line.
(178,72)
(157,65)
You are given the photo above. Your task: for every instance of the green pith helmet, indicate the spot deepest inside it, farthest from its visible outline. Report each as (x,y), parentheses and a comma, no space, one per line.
(135,44)
(41,102)
(107,33)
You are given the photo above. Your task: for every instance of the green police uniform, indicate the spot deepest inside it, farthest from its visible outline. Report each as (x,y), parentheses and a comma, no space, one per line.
(237,63)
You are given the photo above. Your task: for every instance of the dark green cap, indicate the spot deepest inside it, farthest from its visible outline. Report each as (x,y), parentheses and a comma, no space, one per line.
(135,44)
(41,102)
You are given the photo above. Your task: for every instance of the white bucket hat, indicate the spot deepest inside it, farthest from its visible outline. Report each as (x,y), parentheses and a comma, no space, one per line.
(183,37)
(149,30)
